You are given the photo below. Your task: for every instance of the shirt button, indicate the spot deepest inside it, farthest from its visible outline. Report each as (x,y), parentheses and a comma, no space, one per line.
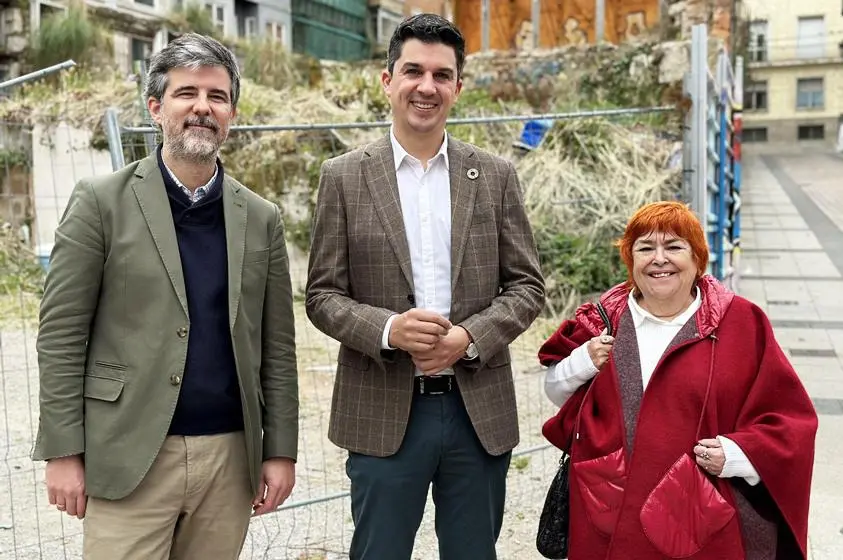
(175,379)
(182,332)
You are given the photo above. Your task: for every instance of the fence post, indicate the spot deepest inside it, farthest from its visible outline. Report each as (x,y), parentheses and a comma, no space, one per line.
(697,86)
(115,143)
(737,140)
(37,74)
(724,100)
(485,24)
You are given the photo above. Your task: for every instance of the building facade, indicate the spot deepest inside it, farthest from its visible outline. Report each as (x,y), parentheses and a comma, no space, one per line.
(795,71)
(139,27)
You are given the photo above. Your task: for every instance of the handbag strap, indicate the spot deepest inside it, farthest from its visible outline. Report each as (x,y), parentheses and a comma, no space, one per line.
(713,337)
(609,330)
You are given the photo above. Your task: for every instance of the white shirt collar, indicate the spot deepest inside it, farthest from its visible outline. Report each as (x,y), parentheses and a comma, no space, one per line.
(399,153)
(201,192)
(639,314)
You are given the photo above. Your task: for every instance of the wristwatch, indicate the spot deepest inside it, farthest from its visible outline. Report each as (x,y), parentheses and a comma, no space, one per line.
(471,352)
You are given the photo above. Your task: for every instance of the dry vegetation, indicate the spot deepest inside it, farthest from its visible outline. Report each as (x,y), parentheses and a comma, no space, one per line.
(580,186)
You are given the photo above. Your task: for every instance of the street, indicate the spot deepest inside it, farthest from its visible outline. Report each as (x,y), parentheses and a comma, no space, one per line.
(790,265)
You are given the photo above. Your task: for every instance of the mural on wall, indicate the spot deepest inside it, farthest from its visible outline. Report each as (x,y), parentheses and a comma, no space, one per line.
(573,33)
(572,22)
(635,25)
(524,37)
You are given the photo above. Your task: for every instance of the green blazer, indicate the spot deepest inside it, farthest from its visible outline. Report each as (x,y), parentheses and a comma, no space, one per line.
(112,341)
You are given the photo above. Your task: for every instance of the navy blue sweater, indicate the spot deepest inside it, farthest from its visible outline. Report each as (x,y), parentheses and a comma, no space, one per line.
(209,399)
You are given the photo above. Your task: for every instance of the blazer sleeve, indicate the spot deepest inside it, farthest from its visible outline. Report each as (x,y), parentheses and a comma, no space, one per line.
(68,306)
(329,302)
(279,372)
(521,296)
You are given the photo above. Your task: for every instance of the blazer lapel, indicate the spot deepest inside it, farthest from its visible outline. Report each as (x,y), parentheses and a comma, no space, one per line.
(461,160)
(235,210)
(379,171)
(152,197)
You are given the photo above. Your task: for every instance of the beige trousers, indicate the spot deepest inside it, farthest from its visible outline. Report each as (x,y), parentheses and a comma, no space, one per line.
(194,503)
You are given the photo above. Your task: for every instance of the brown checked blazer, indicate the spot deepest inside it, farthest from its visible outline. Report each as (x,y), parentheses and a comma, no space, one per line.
(360,274)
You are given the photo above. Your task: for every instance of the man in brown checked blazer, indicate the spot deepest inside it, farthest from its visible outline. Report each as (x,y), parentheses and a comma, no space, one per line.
(423,266)
(169,395)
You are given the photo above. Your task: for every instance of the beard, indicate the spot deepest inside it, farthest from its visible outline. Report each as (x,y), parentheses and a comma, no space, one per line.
(195,145)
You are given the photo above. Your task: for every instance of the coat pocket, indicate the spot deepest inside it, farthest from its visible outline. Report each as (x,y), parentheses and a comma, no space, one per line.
(103,388)
(104,381)
(259,256)
(602,482)
(684,510)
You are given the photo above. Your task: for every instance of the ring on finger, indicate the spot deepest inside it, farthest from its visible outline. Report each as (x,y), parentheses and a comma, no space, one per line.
(705,455)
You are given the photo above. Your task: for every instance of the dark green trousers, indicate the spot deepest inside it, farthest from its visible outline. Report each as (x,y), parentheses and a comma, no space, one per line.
(388,494)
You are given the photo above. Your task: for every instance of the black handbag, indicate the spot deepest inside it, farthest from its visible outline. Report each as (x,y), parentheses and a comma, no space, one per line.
(554,522)
(552,537)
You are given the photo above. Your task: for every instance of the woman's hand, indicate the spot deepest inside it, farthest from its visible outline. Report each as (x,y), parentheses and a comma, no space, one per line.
(710,456)
(599,348)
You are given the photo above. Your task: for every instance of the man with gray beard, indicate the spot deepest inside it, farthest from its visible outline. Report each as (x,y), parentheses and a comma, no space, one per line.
(169,393)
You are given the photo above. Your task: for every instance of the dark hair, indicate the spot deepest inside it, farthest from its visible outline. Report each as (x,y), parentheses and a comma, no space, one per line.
(190,50)
(427,28)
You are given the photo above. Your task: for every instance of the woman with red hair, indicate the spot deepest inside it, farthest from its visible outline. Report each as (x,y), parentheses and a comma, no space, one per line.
(689,432)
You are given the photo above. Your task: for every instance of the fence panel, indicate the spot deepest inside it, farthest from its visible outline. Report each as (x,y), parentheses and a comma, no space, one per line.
(714,153)
(572,176)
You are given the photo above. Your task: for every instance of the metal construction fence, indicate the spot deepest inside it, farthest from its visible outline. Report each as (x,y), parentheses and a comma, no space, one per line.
(713,152)
(39,167)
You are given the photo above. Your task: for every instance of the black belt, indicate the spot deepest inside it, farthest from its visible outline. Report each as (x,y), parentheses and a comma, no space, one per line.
(435,384)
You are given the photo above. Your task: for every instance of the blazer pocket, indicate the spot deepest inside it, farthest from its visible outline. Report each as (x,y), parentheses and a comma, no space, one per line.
(104,381)
(103,388)
(353,359)
(258,256)
(108,365)
(499,360)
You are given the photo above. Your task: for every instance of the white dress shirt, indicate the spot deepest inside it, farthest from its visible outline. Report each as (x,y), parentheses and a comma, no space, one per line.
(654,335)
(426,207)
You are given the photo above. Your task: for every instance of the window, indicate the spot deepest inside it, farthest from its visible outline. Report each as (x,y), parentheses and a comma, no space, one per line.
(758,41)
(250,27)
(755,96)
(749,135)
(217,13)
(387,22)
(811,132)
(809,93)
(141,50)
(810,38)
(277,31)
(150,3)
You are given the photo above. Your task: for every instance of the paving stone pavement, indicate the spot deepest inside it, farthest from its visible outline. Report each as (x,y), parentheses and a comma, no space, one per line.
(790,264)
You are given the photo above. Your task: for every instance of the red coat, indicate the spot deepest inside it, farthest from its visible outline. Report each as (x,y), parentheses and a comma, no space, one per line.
(756,400)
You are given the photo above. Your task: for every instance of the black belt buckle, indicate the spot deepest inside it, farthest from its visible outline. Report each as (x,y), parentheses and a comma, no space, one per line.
(434,380)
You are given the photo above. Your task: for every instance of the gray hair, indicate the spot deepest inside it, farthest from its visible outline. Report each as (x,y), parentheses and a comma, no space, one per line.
(192,51)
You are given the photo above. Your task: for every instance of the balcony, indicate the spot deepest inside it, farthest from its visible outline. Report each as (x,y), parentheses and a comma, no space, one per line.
(822,52)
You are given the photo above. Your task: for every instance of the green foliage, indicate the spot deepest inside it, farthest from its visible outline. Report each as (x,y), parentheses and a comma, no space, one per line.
(269,63)
(614,82)
(20,271)
(520,463)
(10,158)
(578,263)
(193,17)
(70,35)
